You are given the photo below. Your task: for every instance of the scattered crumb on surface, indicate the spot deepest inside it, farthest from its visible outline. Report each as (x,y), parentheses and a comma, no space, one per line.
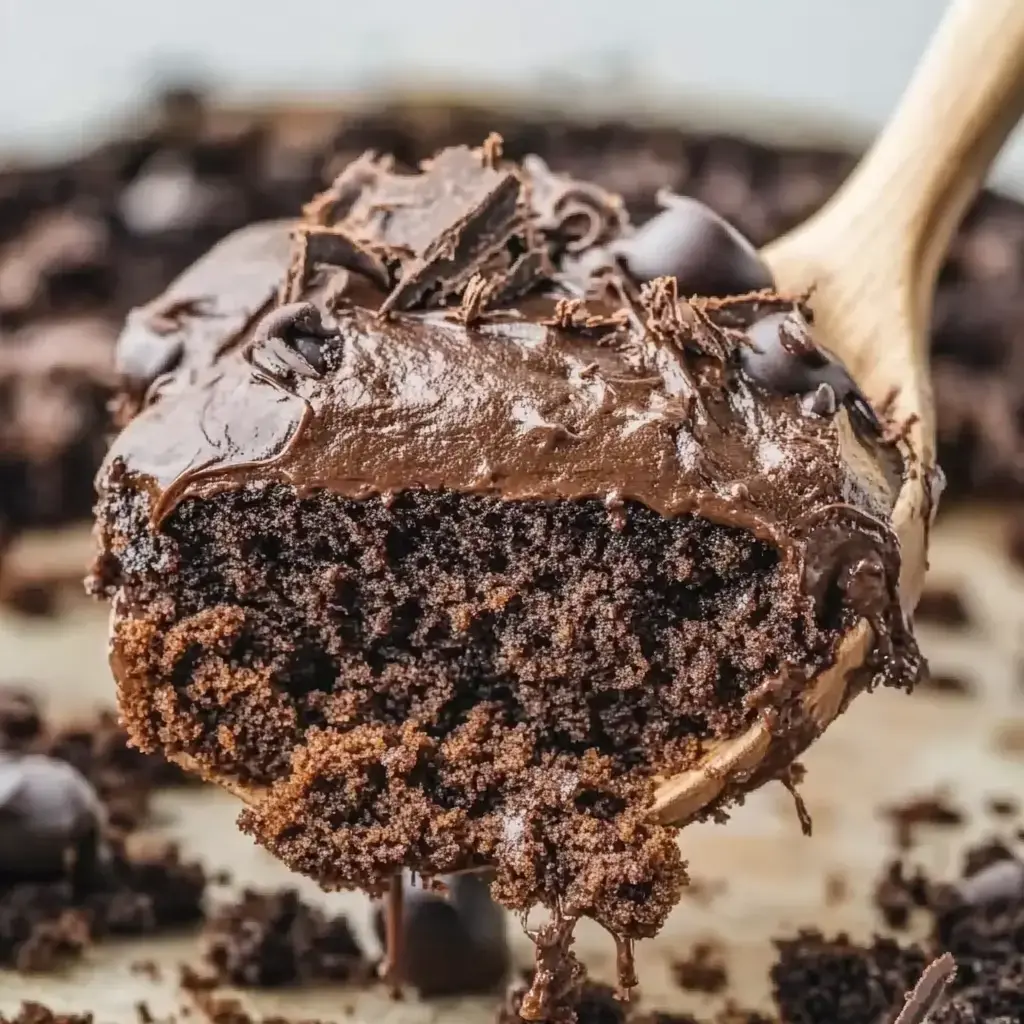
(1009,738)
(899,892)
(37,1013)
(942,606)
(702,970)
(275,938)
(837,889)
(946,683)
(1003,806)
(935,810)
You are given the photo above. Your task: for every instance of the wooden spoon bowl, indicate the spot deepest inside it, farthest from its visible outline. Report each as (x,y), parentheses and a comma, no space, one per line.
(869,259)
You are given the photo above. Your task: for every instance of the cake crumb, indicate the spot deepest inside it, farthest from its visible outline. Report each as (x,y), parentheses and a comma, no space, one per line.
(942,606)
(934,810)
(271,939)
(703,970)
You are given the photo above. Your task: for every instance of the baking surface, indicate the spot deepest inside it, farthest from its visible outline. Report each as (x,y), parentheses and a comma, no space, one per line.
(758,877)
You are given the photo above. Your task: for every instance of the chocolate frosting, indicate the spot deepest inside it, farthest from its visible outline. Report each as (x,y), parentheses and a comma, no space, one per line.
(473,327)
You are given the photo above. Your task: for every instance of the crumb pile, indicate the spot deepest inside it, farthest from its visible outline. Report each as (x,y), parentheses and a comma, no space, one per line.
(444,518)
(272,939)
(978,920)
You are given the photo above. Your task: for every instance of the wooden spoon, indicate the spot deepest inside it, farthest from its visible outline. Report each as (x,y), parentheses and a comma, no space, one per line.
(871,256)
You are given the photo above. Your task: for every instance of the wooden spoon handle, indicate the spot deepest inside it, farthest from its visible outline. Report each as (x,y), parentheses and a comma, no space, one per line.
(966,95)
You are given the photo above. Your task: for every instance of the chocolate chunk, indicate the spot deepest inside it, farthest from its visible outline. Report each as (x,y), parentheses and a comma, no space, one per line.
(702,251)
(455,252)
(49,814)
(450,943)
(333,246)
(782,355)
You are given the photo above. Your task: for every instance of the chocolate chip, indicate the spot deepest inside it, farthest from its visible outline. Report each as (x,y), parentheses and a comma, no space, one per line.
(1000,882)
(291,338)
(703,252)
(49,814)
(454,943)
(782,355)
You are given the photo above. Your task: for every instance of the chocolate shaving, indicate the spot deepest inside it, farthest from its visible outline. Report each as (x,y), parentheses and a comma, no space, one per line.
(491,150)
(335,202)
(335,247)
(574,215)
(573,315)
(928,992)
(474,299)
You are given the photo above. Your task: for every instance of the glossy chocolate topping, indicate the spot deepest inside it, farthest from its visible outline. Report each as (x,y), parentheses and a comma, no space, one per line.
(475,327)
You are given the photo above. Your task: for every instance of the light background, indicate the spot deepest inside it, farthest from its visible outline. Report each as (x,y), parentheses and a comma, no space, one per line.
(67,67)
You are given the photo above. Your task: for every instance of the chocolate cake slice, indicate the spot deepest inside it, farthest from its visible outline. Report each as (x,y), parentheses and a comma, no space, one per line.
(454,515)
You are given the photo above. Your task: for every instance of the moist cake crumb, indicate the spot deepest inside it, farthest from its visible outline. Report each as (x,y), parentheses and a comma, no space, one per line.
(450,518)
(821,981)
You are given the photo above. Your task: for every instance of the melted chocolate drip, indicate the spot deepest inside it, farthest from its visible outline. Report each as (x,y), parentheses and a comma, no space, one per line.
(394,905)
(557,977)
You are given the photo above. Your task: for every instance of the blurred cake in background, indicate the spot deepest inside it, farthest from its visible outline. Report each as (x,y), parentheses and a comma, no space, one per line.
(82,242)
